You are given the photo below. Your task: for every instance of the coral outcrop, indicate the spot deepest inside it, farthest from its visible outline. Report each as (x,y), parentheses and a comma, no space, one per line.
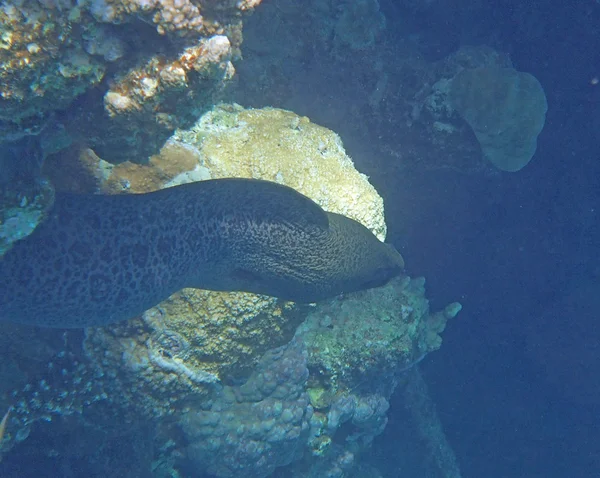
(281,146)
(150,101)
(43,64)
(256,427)
(138,83)
(352,340)
(506,110)
(359,347)
(184,17)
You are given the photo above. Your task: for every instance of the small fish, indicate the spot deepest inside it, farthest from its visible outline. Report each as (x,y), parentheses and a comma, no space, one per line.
(3,424)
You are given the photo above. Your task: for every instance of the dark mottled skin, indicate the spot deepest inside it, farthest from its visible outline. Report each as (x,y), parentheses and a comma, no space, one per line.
(101,259)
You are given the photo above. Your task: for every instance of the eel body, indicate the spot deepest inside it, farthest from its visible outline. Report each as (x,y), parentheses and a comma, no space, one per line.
(101,259)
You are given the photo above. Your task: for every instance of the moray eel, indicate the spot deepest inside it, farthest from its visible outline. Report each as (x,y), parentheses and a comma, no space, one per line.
(3,425)
(101,259)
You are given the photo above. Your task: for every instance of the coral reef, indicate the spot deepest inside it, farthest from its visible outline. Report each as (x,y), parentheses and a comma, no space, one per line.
(289,403)
(200,368)
(366,335)
(281,146)
(226,333)
(43,64)
(184,17)
(179,350)
(137,84)
(147,103)
(298,397)
(256,427)
(359,348)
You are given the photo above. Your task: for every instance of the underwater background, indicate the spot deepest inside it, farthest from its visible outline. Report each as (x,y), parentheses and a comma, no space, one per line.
(476,124)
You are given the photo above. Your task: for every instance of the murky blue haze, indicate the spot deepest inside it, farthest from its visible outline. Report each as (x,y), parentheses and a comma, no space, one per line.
(515,249)
(516,381)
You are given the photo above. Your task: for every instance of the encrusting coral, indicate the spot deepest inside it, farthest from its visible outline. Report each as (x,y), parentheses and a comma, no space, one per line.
(138,86)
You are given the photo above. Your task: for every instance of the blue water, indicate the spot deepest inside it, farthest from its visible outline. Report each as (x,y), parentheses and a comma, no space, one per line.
(512,248)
